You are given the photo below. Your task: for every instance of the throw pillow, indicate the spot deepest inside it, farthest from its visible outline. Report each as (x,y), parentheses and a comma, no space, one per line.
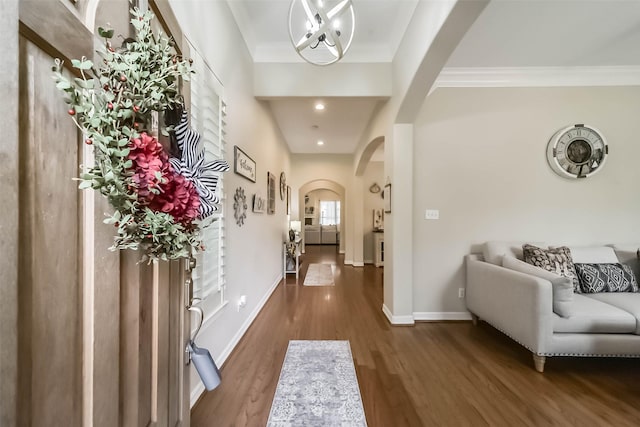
(556,260)
(606,278)
(562,287)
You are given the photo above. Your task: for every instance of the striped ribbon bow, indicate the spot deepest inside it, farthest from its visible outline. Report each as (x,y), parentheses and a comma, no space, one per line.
(193,167)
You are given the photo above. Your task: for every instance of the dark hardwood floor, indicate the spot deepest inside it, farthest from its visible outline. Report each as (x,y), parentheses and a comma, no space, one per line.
(433,374)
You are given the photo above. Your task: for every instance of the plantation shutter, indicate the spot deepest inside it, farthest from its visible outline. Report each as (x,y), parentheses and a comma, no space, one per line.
(208,119)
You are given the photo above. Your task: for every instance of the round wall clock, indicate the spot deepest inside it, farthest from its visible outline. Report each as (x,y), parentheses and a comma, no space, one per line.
(283,186)
(577,151)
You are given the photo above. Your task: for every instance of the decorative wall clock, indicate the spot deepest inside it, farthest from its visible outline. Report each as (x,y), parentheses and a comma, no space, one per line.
(240,206)
(577,151)
(283,186)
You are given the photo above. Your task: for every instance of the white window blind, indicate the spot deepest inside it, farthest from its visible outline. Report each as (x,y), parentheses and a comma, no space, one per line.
(329,212)
(208,119)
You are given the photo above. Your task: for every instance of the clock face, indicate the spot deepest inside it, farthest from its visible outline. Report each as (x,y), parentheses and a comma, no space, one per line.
(577,151)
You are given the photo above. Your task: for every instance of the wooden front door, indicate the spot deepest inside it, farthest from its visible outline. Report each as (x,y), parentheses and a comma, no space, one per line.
(90,337)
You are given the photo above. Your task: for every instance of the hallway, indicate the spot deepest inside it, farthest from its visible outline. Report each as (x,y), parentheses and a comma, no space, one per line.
(440,374)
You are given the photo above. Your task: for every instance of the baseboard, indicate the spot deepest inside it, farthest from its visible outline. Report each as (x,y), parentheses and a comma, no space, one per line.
(358,264)
(441,315)
(197,391)
(368,261)
(341,252)
(397,320)
(348,262)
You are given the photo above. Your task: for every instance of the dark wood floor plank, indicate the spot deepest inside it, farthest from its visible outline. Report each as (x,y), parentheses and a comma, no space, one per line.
(433,374)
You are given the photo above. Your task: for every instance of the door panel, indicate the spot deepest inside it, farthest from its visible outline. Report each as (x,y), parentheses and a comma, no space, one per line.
(50,370)
(101,336)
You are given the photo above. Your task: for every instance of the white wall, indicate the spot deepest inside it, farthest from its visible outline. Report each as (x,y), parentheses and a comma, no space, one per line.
(253,260)
(479,157)
(374,173)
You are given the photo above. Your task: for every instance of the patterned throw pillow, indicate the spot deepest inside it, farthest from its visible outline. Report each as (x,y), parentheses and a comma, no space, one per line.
(556,260)
(606,278)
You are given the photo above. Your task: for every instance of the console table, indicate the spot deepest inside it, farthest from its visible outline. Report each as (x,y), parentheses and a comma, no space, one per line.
(294,247)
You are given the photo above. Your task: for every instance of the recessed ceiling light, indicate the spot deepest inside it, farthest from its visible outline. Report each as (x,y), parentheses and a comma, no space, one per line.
(320,142)
(319,106)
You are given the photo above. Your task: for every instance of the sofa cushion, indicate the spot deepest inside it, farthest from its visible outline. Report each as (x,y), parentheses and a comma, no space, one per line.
(627,301)
(493,251)
(595,317)
(593,255)
(562,286)
(606,278)
(557,260)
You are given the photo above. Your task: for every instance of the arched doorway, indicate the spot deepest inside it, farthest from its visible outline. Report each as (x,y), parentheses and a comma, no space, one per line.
(339,191)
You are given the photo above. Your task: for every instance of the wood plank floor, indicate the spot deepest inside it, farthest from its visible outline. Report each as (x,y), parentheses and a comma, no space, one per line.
(433,374)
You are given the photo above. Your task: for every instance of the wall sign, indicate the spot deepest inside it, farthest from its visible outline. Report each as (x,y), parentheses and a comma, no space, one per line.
(243,165)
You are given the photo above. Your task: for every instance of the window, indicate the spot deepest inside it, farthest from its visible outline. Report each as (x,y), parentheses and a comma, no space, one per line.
(329,212)
(208,119)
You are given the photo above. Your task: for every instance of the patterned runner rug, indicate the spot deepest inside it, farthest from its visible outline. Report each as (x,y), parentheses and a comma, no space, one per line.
(319,275)
(317,387)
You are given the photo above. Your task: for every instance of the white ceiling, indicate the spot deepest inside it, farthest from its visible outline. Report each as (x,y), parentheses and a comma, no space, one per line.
(380,25)
(509,33)
(339,125)
(560,33)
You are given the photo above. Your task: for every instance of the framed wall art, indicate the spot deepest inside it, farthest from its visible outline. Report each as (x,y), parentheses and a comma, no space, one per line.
(271,193)
(243,165)
(387,198)
(259,203)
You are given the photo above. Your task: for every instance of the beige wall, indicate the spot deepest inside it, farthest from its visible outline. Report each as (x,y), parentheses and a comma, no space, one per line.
(306,168)
(479,157)
(253,257)
(374,173)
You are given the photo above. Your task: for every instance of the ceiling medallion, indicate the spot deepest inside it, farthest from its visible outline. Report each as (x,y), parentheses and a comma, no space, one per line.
(321,30)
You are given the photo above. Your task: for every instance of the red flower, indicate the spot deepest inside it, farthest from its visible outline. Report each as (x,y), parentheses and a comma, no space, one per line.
(150,165)
(152,170)
(179,198)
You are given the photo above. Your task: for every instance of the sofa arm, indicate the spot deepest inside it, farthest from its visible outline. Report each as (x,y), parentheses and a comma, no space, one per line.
(518,304)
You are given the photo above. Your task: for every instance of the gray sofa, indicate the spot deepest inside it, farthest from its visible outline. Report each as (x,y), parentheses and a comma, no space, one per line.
(522,306)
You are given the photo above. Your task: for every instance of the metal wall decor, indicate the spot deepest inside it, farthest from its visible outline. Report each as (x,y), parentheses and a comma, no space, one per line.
(240,206)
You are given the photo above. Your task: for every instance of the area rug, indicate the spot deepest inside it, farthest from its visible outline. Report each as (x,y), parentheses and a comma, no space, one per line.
(319,275)
(317,387)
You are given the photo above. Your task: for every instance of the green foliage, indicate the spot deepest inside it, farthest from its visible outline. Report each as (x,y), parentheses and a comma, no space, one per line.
(111,103)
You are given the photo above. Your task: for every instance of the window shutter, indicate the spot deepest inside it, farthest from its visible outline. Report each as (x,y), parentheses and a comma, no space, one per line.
(208,119)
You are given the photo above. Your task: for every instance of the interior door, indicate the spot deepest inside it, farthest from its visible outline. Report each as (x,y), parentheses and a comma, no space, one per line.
(99,338)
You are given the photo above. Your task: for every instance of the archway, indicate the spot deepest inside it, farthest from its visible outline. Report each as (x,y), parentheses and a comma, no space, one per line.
(365,157)
(325,184)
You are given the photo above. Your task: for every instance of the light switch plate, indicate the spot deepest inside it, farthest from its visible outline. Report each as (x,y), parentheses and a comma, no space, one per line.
(432,214)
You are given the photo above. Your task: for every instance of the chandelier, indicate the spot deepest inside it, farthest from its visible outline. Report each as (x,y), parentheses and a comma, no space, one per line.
(321,31)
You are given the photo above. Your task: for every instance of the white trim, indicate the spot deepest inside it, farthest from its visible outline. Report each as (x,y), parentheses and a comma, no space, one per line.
(368,261)
(358,264)
(222,357)
(341,251)
(348,262)
(538,76)
(442,315)
(397,320)
(196,392)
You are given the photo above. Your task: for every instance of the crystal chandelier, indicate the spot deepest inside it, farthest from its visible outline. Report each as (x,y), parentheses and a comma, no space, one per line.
(321,31)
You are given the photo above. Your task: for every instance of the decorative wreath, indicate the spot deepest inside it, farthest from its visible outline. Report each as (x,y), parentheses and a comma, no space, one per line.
(160,198)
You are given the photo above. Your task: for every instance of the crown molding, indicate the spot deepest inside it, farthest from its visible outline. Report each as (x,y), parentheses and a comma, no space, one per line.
(538,76)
